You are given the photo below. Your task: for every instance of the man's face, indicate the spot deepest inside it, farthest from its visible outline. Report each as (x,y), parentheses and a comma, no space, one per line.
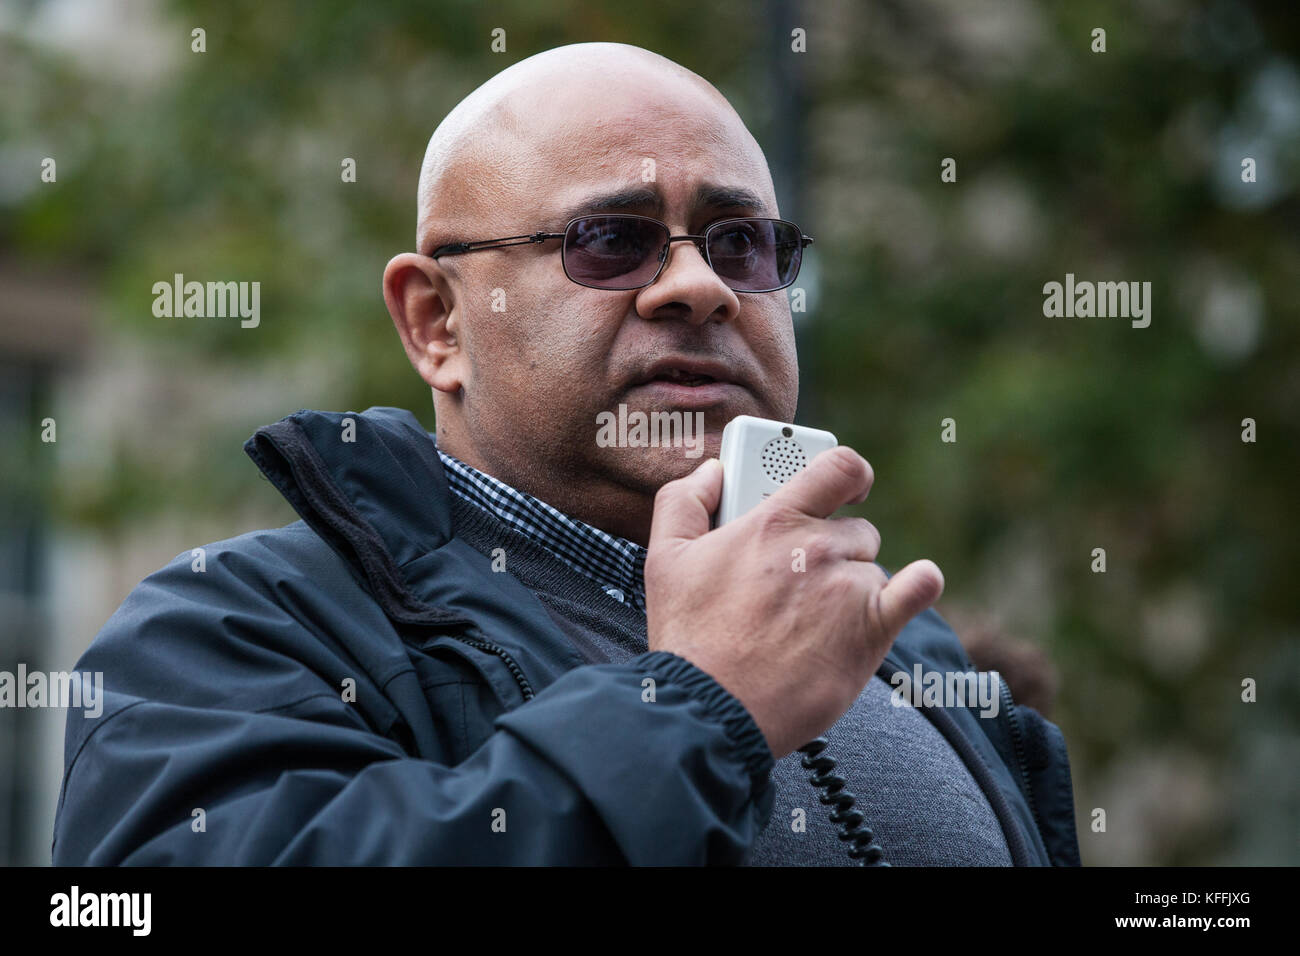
(537,375)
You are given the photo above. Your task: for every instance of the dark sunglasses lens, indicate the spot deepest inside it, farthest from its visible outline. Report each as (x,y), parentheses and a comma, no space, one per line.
(613,252)
(756,255)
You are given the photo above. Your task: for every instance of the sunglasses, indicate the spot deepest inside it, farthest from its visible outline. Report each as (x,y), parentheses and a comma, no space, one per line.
(620,253)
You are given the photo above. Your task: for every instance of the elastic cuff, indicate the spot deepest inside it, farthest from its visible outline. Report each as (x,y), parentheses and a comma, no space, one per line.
(754,753)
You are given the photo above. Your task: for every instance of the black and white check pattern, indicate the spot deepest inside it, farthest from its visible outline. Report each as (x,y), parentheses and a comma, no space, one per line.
(614,563)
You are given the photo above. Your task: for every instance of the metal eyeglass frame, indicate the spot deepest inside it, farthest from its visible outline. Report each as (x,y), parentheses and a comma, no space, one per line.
(701,242)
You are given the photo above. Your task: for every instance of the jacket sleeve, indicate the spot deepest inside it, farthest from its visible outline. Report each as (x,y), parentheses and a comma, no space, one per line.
(216,747)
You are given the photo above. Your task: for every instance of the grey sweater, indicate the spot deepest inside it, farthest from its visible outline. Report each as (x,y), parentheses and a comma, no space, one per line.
(918,797)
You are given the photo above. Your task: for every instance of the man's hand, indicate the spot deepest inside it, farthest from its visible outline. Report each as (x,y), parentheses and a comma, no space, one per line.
(795,647)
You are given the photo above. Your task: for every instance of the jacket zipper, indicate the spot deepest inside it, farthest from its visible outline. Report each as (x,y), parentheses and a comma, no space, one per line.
(1018,744)
(525,688)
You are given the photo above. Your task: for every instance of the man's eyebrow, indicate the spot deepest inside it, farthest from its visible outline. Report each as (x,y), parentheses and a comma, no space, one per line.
(707,195)
(620,201)
(726,197)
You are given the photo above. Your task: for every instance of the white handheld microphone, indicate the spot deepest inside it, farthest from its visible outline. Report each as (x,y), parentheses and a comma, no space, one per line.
(759,456)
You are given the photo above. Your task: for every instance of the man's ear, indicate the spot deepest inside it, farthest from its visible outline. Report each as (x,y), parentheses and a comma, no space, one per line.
(421,301)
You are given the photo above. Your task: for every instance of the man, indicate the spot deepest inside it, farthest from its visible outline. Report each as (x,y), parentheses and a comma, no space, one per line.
(519,645)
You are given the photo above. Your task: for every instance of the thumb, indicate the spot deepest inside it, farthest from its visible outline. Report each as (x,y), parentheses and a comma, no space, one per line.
(908,593)
(683,507)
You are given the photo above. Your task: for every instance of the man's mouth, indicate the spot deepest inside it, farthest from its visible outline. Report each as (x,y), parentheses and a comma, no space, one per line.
(682,377)
(687,371)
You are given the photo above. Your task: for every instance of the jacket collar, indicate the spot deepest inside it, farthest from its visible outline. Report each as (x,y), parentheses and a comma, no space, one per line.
(372,486)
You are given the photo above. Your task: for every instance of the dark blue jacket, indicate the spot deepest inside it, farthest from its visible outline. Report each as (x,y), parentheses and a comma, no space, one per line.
(360,687)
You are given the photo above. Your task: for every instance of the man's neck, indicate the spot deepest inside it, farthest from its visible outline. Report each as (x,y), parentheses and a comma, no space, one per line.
(599,502)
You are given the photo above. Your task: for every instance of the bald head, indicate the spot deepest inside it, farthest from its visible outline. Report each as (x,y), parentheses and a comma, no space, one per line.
(473,163)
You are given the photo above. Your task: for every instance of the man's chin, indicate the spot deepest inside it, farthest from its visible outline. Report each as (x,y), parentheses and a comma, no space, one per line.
(648,439)
(648,469)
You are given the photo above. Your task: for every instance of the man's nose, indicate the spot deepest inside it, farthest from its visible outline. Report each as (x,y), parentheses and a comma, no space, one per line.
(687,288)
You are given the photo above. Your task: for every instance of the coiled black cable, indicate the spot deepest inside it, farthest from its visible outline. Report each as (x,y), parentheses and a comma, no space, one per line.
(841,801)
